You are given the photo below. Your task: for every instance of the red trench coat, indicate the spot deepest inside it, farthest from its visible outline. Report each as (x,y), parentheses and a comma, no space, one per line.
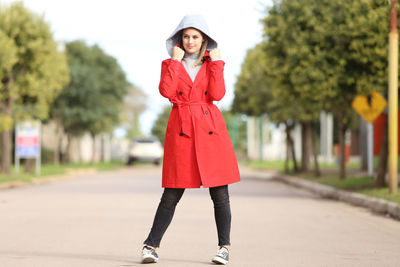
(197,148)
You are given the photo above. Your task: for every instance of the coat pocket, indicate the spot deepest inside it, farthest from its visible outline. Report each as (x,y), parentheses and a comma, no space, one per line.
(208,119)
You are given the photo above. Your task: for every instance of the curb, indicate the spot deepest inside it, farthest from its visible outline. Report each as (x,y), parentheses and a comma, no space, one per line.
(377,205)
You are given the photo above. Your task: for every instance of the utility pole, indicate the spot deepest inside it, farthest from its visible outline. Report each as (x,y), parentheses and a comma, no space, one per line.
(393,98)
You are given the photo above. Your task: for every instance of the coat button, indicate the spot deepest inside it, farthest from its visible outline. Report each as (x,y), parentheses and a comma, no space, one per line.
(180,134)
(180,92)
(210,132)
(206,112)
(205,92)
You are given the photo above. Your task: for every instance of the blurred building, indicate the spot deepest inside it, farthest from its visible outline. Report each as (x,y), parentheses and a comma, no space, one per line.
(80,148)
(267,140)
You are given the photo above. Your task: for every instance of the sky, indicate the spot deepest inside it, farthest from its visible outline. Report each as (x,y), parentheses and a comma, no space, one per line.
(134,32)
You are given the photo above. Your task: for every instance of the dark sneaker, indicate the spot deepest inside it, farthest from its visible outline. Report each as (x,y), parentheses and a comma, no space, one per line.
(149,255)
(222,256)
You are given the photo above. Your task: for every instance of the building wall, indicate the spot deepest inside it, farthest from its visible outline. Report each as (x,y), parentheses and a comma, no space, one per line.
(273,140)
(81,148)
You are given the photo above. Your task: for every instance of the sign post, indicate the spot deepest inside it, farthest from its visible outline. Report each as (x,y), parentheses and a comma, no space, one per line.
(369,107)
(27,143)
(370,148)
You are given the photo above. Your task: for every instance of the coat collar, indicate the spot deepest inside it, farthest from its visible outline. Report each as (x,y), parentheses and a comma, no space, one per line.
(200,74)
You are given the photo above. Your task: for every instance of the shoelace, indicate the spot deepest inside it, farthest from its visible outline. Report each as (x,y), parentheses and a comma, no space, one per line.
(222,252)
(148,251)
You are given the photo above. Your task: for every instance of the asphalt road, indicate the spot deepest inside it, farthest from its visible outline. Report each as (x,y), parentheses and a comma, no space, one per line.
(102,219)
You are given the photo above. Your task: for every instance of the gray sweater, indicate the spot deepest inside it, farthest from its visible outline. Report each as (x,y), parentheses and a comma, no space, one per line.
(188,62)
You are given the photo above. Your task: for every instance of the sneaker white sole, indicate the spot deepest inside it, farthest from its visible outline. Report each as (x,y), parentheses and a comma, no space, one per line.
(219,260)
(149,260)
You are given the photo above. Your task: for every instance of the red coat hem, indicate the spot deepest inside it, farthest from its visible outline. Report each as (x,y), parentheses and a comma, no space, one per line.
(199,186)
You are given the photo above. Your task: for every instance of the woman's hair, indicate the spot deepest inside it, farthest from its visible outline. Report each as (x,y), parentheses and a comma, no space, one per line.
(203,48)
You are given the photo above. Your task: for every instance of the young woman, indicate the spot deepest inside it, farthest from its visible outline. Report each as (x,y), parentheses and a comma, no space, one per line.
(197,151)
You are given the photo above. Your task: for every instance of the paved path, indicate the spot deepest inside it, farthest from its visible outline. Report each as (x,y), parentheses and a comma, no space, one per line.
(101,220)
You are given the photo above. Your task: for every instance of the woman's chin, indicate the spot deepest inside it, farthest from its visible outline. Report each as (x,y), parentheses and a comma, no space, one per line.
(191,51)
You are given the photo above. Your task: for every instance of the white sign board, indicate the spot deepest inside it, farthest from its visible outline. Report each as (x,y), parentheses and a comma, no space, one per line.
(27,142)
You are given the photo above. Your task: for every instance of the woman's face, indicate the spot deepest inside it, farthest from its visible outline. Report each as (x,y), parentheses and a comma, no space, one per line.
(192,40)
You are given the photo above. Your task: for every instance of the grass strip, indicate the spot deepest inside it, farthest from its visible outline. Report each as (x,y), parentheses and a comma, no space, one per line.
(50,170)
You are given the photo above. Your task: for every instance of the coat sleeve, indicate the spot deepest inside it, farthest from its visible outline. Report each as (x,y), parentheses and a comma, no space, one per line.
(216,83)
(169,78)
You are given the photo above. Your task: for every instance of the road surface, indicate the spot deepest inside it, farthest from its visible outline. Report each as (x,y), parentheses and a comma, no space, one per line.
(102,219)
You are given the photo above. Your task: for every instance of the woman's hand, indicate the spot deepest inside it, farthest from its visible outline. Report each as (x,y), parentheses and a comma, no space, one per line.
(178,53)
(215,53)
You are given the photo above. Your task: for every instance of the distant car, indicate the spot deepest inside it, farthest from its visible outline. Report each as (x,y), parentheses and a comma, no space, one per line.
(145,150)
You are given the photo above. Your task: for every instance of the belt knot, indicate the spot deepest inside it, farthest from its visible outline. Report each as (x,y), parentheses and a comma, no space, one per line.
(185,113)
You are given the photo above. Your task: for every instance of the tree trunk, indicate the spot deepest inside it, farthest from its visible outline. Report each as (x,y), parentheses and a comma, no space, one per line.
(67,157)
(287,148)
(6,153)
(79,140)
(57,149)
(305,148)
(341,144)
(93,148)
(103,148)
(286,166)
(6,136)
(293,152)
(291,147)
(363,144)
(317,171)
(383,158)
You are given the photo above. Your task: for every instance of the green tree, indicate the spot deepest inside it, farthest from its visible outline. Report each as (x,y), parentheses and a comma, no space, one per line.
(236,125)
(93,100)
(252,89)
(32,71)
(160,125)
(323,53)
(294,66)
(254,95)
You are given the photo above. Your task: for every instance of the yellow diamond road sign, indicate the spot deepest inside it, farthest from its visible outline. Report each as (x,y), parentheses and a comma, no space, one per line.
(369,107)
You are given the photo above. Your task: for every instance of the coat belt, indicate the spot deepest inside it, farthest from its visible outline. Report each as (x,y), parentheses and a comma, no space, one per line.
(185,113)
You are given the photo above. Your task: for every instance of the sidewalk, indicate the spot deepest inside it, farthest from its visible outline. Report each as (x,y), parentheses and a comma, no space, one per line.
(377,205)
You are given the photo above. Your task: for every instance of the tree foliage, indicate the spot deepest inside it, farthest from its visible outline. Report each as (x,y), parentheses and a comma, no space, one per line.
(316,55)
(33,70)
(321,54)
(92,101)
(252,90)
(160,125)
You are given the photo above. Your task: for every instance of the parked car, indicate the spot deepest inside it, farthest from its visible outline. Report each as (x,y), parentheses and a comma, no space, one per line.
(148,149)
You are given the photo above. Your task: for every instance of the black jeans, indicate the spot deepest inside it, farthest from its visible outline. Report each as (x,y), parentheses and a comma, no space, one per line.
(166,209)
